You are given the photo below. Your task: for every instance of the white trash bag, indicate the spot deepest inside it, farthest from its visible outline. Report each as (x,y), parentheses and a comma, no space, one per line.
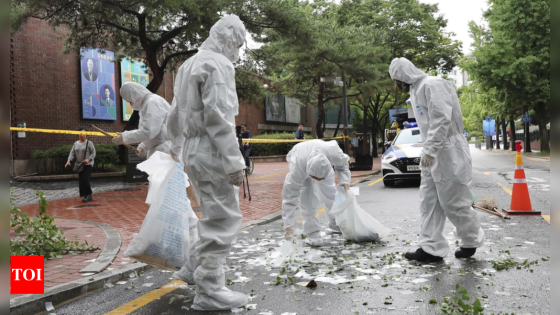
(355,223)
(163,240)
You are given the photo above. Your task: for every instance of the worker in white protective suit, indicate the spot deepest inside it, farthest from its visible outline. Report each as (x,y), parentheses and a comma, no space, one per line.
(202,126)
(312,180)
(445,191)
(152,132)
(152,109)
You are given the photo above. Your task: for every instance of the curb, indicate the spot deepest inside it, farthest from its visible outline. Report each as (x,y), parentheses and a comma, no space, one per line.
(66,177)
(369,174)
(112,247)
(35,303)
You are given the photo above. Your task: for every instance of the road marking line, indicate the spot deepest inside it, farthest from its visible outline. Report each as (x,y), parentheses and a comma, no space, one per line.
(375,182)
(269,175)
(146,299)
(537,160)
(486,173)
(546,218)
(506,189)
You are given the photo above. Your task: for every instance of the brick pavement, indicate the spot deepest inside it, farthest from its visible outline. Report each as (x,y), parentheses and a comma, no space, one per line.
(125,210)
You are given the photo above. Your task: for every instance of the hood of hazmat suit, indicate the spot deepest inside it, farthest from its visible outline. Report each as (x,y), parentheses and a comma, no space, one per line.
(201,126)
(316,158)
(152,110)
(445,189)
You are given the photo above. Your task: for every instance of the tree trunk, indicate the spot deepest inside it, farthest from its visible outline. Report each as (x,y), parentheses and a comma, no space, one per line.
(505,136)
(338,122)
(512,132)
(497,133)
(526,132)
(321,111)
(540,111)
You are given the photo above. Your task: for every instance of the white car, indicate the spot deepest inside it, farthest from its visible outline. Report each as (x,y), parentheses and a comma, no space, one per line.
(402,160)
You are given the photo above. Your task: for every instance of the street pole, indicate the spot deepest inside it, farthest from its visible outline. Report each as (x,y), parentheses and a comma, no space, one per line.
(489,145)
(345,104)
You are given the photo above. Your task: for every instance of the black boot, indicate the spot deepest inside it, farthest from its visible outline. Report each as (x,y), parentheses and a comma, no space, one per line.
(421,256)
(89,198)
(85,199)
(465,252)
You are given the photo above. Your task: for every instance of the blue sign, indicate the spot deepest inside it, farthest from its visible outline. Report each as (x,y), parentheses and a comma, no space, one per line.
(526,118)
(489,127)
(98,84)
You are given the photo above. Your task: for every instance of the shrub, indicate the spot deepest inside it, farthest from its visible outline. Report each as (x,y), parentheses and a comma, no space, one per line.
(106,156)
(268,149)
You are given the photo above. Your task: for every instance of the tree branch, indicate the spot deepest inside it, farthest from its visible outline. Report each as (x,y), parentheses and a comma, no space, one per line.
(181,53)
(122,7)
(338,97)
(167,36)
(119,27)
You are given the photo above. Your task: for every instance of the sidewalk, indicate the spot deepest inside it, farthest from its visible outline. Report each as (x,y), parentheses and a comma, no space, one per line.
(124,210)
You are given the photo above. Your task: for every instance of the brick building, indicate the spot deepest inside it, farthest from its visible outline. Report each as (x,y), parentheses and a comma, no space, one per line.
(46,93)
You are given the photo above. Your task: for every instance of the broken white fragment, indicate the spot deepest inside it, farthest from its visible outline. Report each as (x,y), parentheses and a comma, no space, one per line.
(88,274)
(121,282)
(147,285)
(419,280)
(49,306)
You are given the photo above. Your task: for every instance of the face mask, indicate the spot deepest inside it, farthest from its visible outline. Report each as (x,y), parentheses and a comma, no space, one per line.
(234,57)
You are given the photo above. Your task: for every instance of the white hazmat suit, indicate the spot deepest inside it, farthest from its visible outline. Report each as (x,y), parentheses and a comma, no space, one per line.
(152,132)
(202,123)
(445,190)
(152,110)
(313,158)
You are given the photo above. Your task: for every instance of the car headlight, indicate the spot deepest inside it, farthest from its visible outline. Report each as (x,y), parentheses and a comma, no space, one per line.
(389,157)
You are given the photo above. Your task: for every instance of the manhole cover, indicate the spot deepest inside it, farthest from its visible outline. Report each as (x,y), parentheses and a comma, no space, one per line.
(81,207)
(127,189)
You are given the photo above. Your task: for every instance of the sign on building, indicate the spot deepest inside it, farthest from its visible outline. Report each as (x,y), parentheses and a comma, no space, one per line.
(97,72)
(132,70)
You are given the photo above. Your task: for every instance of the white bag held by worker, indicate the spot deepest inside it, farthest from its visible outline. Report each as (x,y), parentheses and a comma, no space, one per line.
(163,240)
(356,224)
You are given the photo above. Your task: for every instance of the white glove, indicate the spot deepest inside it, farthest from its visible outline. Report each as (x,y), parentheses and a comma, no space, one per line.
(289,234)
(427,160)
(117,140)
(142,152)
(346,187)
(236,179)
(174,156)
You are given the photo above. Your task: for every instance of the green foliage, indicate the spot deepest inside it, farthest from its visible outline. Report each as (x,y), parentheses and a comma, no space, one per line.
(39,236)
(268,149)
(460,305)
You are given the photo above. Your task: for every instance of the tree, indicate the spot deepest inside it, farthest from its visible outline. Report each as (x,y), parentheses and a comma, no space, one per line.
(321,47)
(413,30)
(513,56)
(162,32)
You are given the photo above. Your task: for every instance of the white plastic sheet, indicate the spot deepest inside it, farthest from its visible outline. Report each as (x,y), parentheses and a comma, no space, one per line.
(356,224)
(163,240)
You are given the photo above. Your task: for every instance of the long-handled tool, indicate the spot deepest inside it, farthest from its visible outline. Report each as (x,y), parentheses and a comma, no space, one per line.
(494,211)
(246,179)
(110,135)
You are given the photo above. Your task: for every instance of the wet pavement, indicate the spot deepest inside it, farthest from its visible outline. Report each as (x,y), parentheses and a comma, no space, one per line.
(373,278)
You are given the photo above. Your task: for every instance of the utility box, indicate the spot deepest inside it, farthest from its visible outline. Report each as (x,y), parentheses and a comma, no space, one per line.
(134,175)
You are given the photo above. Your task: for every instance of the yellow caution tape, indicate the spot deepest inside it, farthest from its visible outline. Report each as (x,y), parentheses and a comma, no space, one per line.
(64,132)
(95,133)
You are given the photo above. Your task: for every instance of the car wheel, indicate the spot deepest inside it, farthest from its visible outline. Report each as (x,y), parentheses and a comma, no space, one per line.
(388,183)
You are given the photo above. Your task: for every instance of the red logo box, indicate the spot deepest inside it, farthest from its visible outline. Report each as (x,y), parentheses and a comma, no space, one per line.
(27,275)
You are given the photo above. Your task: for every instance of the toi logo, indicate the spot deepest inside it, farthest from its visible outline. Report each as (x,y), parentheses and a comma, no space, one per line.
(27,275)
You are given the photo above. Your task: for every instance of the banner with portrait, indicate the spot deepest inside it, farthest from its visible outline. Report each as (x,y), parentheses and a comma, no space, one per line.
(97,72)
(132,70)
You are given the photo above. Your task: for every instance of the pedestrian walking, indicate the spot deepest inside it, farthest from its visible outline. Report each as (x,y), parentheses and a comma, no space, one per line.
(83,151)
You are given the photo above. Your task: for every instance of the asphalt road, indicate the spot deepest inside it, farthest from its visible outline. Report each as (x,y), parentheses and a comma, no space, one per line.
(382,271)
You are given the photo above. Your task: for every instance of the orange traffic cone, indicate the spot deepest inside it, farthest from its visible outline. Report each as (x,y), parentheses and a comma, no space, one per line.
(520,200)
